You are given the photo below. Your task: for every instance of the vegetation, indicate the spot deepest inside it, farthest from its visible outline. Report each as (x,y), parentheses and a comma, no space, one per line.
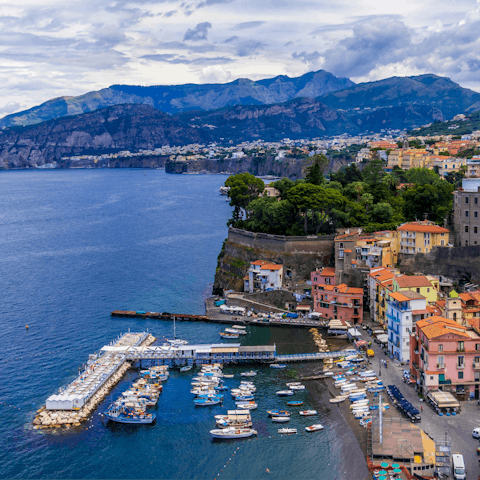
(371,199)
(452,127)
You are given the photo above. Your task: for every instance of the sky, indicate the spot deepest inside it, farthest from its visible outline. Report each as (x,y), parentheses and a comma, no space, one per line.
(52,48)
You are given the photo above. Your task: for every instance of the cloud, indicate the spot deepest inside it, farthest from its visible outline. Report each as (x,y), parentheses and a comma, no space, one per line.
(247,25)
(182,60)
(10,107)
(215,74)
(231,39)
(249,47)
(307,57)
(209,3)
(198,33)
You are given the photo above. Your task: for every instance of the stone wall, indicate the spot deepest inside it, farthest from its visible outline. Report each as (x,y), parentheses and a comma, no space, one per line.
(299,256)
(459,263)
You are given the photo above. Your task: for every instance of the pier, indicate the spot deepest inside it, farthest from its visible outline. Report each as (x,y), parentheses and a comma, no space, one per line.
(304,357)
(220,318)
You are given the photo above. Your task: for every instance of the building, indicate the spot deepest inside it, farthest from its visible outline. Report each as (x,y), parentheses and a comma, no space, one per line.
(379,284)
(421,237)
(263,276)
(325,276)
(409,158)
(338,302)
(445,356)
(424,285)
(466,212)
(404,310)
(446,165)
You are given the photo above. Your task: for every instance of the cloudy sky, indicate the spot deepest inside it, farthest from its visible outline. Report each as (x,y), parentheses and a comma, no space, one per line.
(50,48)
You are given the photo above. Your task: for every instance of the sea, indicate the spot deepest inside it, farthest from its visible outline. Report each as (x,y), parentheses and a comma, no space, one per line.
(77,244)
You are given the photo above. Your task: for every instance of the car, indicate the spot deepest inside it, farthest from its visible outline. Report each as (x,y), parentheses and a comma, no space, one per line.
(476,432)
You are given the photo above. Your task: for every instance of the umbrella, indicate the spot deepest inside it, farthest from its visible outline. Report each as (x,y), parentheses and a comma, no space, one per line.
(384,465)
(382,478)
(397,470)
(382,472)
(395,465)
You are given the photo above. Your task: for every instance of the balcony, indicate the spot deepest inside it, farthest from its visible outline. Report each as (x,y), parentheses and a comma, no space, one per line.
(440,366)
(405,243)
(460,367)
(476,365)
(394,319)
(460,349)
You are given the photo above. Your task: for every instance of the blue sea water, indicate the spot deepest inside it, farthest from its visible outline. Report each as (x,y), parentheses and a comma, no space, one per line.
(77,244)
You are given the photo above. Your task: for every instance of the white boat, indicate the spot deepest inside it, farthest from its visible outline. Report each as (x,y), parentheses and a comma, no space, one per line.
(229,375)
(232,432)
(287,431)
(251,373)
(228,335)
(239,327)
(314,428)
(307,413)
(278,366)
(297,387)
(338,399)
(280,419)
(328,374)
(235,331)
(285,393)
(290,384)
(186,368)
(246,405)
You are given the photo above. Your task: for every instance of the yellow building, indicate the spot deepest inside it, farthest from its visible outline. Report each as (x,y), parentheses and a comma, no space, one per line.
(448,164)
(411,158)
(421,237)
(380,284)
(418,283)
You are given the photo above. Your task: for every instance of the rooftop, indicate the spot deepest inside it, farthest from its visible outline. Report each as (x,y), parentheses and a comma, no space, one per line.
(408,281)
(426,227)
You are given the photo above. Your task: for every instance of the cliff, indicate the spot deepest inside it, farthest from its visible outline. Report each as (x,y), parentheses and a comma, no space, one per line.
(298,255)
(262,165)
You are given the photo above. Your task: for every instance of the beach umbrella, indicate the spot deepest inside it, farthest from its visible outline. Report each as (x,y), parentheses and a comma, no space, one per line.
(382,478)
(382,472)
(395,465)
(384,464)
(397,470)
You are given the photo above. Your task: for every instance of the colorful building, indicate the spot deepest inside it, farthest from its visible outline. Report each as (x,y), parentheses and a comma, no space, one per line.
(421,237)
(263,276)
(339,302)
(424,285)
(405,309)
(379,285)
(445,355)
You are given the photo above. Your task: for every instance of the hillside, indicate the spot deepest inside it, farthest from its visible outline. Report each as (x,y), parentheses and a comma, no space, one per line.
(437,92)
(122,127)
(457,127)
(178,98)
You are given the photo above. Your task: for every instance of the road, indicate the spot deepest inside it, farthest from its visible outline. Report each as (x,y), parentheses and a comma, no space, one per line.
(458,428)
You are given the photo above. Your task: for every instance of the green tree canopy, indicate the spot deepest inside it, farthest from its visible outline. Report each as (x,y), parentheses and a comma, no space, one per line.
(381,213)
(244,187)
(421,176)
(314,173)
(374,171)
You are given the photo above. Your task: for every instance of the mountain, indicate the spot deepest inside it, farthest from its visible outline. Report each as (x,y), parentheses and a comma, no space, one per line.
(464,126)
(304,118)
(121,127)
(438,92)
(179,98)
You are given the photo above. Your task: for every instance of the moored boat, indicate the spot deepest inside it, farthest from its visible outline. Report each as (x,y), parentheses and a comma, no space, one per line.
(307,413)
(314,428)
(186,368)
(295,403)
(278,413)
(297,387)
(227,433)
(228,335)
(122,414)
(251,373)
(285,393)
(280,419)
(287,431)
(278,365)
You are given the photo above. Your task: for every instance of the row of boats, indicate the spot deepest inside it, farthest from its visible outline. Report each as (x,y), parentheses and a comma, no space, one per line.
(132,406)
(234,332)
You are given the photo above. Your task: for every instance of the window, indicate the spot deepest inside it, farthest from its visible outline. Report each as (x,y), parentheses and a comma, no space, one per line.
(440,348)
(461,361)
(475,200)
(442,243)
(340,253)
(466,213)
(418,290)
(428,290)
(460,346)
(314,279)
(460,375)
(475,213)
(475,229)
(466,199)
(477,347)
(340,245)
(466,228)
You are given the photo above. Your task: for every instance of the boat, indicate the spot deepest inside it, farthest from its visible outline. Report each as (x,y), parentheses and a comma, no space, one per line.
(239,327)
(235,332)
(251,373)
(314,428)
(285,393)
(295,403)
(307,413)
(221,388)
(204,402)
(280,419)
(123,414)
(246,405)
(287,431)
(291,384)
(228,335)
(186,368)
(244,398)
(328,374)
(297,387)
(230,375)
(231,432)
(278,413)
(337,399)
(278,365)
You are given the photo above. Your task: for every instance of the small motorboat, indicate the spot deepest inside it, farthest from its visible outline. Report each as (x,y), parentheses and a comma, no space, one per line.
(186,368)
(251,373)
(337,399)
(246,405)
(205,402)
(278,413)
(221,388)
(235,331)
(328,374)
(285,393)
(314,428)
(228,335)
(295,403)
(307,413)
(244,398)
(291,384)
(287,431)
(280,419)
(297,387)
(229,375)
(278,365)
(232,432)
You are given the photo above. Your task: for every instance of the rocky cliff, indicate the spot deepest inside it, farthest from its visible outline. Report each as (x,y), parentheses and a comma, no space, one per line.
(123,127)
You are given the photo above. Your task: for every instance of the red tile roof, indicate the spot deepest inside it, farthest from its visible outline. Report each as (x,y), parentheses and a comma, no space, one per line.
(422,227)
(408,281)
(271,266)
(328,272)
(260,262)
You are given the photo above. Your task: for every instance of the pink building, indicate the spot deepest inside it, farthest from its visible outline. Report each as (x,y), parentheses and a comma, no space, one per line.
(325,276)
(339,301)
(445,356)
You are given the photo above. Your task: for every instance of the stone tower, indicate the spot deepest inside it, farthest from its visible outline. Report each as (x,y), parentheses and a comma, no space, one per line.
(453,308)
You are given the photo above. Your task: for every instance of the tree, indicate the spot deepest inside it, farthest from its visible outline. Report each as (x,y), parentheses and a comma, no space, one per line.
(374,171)
(366,199)
(391,180)
(244,187)
(283,186)
(400,173)
(381,213)
(353,174)
(314,173)
(421,176)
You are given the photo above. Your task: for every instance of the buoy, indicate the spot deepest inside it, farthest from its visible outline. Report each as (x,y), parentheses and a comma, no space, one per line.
(26,326)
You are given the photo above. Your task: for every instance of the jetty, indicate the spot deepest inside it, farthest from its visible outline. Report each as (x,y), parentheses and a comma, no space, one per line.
(304,357)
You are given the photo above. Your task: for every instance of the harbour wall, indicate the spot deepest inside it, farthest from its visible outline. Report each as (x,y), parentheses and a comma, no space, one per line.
(462,264)
(298,255)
